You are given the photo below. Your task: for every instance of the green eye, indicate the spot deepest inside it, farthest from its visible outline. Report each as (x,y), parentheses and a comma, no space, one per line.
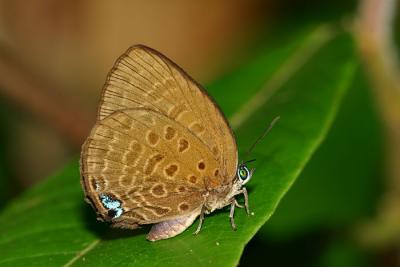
(243,173)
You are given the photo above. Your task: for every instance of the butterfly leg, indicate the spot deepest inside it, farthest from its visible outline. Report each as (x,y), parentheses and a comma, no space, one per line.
(201,219)
(238,205)
(246,200)
(232,213)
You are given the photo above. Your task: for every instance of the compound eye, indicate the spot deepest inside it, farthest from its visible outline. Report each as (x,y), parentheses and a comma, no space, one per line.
(243,173)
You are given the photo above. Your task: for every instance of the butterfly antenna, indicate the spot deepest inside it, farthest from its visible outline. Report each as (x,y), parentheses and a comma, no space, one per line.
(270,126)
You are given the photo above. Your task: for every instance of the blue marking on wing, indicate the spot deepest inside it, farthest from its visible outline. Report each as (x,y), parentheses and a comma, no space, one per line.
(112,204)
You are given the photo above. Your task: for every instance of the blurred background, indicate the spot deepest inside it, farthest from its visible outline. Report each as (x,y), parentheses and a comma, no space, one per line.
(54,57)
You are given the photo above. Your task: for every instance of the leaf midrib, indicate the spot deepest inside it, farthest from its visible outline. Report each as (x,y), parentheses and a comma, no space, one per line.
(84,251)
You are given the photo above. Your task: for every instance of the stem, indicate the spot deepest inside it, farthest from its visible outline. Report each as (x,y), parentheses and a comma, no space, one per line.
(375,41)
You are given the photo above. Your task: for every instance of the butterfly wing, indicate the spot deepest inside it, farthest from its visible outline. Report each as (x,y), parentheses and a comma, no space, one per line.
(144,78)
(140,166)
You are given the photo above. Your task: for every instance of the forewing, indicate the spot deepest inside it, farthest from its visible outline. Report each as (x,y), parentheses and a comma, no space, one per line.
(144,78)
(154,166)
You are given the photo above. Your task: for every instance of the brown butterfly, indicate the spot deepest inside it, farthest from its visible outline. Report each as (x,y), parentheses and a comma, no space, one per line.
(161,151)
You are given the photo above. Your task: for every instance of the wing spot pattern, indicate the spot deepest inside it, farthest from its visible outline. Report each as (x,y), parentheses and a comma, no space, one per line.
(158,190)
(201,165)
(181,189)
(192,179)
(183,145)
(152,138)
(170,133)
(152,163)
(183,206)
(171,170)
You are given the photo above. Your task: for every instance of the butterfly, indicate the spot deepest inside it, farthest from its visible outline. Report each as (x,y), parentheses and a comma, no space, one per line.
(161,151)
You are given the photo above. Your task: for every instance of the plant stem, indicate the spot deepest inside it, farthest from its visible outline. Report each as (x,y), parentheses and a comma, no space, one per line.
(375,42)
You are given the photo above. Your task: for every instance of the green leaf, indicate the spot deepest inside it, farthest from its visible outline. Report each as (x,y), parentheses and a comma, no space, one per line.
(302,81)
(345,169)
(339,185)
